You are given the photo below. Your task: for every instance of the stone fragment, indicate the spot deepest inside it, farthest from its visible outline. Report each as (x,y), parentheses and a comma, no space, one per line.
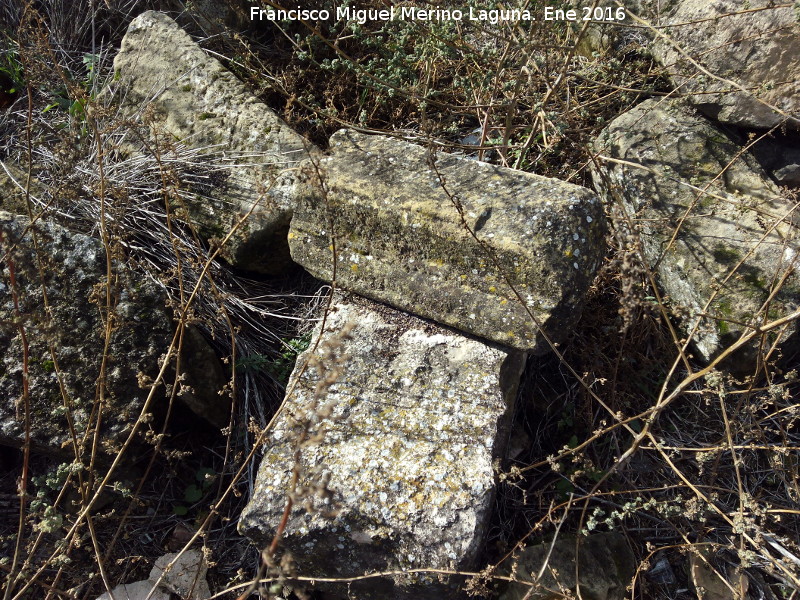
(210,17)
(788,174)
(400,238)
(186,575)
(12,188)
(654,11)
(661,572)
(418,415)
(781,158)
(202,105)
(755,49)
(617,31)
(735,241)
(716,580)
(606,567)
(205,379)
(65,339)
(138,590)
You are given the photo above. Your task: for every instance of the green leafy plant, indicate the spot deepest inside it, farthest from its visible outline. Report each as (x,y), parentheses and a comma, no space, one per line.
(12,78)
(281,366)
(75,100)
(194,492)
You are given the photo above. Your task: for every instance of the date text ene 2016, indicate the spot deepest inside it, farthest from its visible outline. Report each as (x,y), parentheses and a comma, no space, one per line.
(587,13)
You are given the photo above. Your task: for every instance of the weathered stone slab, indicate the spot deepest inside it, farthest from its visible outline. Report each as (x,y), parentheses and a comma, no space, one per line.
(73,270)
(756,49)
(138,590)
(183,574)
(418,415)
(606,566)
(202,105)
(400,239)
(730,212)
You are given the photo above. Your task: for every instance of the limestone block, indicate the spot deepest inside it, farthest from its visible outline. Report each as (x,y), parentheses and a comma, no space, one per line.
(71,268)
(725,210)
(756,49)
(418,415)
(203,105)
(400,239)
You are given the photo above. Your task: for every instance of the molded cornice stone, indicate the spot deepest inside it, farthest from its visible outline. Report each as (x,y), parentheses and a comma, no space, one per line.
(201,104)
(399,238)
